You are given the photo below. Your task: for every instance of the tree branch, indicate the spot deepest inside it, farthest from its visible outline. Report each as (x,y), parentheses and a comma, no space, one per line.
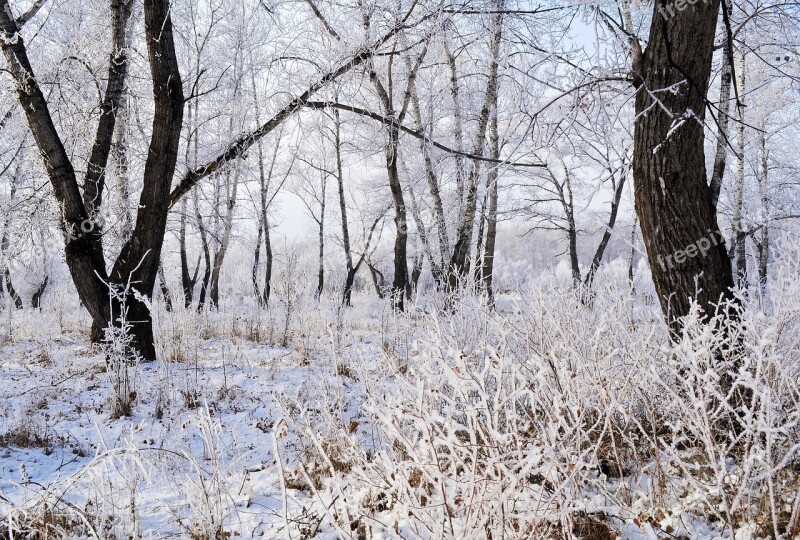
(240,145)
(30,14)
(415,133)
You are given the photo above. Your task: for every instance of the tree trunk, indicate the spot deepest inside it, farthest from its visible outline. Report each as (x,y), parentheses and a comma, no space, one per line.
(137,264)
(723,118)
(268,263)
(321,223)
(437,268)
(83,255)
(458,125)
(612,220)
(491,214)
(478,273)
(740,236)
(162,284)
(679,226)
(6,285)
(416,272)
(377,279)
(201,301)
(572,240)
(348,255)
(9,288)
(231,188)
(763,187)
(36,299)
(188,280)
(110,108)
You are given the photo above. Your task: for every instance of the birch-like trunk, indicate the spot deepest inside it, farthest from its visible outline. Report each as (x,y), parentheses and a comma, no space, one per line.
(737,220)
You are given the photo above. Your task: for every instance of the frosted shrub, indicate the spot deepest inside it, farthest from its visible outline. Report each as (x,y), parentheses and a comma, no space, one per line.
(551,419)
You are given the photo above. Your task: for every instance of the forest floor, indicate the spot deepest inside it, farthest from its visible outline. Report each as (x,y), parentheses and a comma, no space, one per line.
(361,423)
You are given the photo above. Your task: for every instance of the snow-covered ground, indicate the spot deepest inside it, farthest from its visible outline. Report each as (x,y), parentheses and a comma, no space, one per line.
(546,418)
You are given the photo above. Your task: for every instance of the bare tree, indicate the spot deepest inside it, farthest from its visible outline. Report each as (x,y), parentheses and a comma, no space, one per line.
(457,267)
(136,267)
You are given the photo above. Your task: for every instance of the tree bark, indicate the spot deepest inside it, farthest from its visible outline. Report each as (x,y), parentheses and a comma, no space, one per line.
(321,240)
(458,124)
(673,201)
(162,284)
(201,301)
(137,264)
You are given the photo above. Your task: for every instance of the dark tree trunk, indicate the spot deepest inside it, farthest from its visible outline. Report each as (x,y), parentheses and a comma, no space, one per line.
(612,220)
(268,263)
(201,301)
(94,181)
(321,223)
(257,262)
(478,273)
(679,226)
(400,217)
(8,287)
(36,299)
(83,256)
(137,264)
(377,280)
(188,280)
(416,272)
(572,231)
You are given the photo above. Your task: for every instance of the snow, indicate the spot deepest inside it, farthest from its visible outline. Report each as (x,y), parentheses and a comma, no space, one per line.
(354,429)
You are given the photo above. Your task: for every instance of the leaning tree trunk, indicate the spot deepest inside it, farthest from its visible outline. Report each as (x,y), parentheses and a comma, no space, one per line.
(612,220)
(679,226)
